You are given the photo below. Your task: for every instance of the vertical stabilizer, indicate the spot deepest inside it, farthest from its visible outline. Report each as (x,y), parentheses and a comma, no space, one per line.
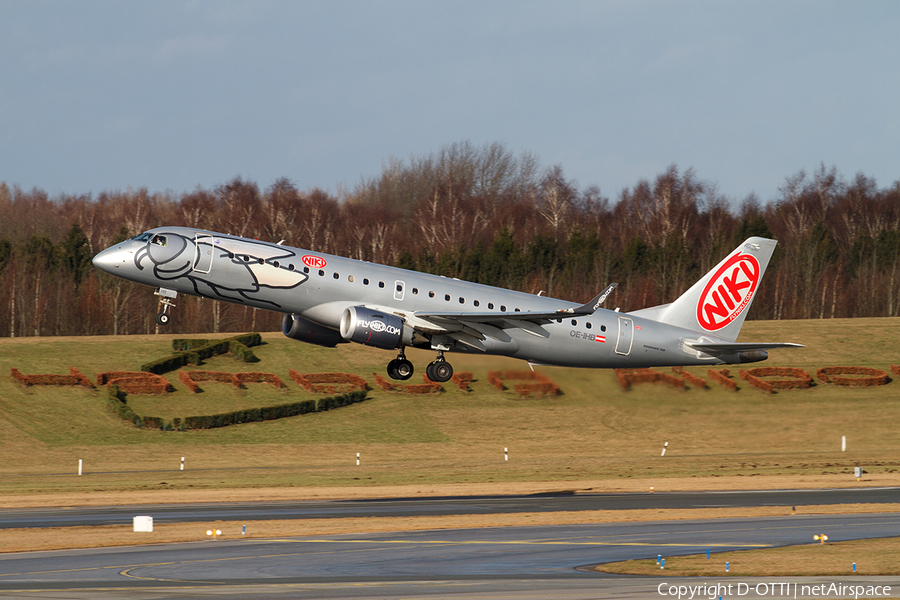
(718,303)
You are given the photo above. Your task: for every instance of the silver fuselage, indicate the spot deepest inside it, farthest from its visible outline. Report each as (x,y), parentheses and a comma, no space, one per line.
(319,287)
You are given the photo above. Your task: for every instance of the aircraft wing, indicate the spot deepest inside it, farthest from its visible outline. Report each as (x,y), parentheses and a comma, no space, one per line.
(738,347)
(467,325)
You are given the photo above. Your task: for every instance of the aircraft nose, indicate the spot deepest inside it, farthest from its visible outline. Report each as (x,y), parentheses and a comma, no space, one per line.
(110,259)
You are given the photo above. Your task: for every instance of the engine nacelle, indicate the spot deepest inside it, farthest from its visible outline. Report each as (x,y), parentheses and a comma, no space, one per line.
(373,328)
(298,328)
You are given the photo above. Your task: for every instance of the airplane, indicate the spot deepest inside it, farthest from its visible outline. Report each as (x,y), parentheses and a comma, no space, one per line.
(328,300)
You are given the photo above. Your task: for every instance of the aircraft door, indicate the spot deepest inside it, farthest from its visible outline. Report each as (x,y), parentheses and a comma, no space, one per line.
(399,286)
(204,253)
(626,336)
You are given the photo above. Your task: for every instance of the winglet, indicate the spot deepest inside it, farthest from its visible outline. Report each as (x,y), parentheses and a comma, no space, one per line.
(592,306)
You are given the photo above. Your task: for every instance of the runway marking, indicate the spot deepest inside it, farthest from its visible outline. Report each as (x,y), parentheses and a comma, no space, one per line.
(126,573)
(521,543)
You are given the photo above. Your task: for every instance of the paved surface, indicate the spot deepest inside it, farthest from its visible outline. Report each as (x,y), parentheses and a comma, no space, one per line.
(516,562)
(182,513)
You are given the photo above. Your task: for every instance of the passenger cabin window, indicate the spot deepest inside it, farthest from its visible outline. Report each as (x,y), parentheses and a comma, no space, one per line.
(337,275)
(365,281)
(476,303)
(350,278)
(447,297)
(490,306)
(502,308)
(321,273)
(431,294)
(381,284)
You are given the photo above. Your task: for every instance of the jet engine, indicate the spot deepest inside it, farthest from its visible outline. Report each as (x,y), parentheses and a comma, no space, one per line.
(373,328)
(298,328)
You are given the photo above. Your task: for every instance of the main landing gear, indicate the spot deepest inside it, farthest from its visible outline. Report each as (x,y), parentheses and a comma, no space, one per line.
(439,370)
(400,368)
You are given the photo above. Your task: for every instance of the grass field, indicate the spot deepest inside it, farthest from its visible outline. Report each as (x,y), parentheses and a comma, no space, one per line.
(872,557)
(594,431)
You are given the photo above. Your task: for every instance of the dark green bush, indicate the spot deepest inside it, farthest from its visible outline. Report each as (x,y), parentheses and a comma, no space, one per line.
(193,352)
(115,403)
(270,413)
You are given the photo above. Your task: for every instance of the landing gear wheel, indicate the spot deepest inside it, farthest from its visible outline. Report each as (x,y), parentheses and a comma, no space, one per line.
(439,371)
(162,318)
(400,368)
(404,369)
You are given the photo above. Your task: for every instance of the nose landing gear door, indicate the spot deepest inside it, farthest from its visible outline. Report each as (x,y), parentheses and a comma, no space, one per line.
(203,254)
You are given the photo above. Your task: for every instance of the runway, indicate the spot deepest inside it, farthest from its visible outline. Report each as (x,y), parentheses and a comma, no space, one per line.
(498,563)
(459,505)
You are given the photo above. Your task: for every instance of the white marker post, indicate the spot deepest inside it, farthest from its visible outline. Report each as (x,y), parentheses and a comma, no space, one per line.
(506,454)
(182,464)
(843,443)
(666,445)
(79,467)
(357,459)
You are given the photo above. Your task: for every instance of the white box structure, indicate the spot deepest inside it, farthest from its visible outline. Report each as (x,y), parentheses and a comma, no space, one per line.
(143,524)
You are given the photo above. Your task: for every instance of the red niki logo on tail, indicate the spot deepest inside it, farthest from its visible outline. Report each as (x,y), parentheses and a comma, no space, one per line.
(728,292)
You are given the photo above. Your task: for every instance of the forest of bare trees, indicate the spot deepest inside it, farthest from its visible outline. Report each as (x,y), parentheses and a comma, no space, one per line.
(479,213)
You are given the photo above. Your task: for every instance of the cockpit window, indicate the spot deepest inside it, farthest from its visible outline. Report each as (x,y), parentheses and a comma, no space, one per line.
(159,240)
(143,237)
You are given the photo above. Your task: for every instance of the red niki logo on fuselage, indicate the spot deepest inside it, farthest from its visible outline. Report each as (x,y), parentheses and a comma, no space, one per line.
(314,262)
(728,292)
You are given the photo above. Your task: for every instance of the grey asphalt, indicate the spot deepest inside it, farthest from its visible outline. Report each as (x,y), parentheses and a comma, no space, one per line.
(516,562)
(251,511)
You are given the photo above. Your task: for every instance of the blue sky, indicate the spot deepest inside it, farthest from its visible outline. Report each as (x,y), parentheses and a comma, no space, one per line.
(171,95)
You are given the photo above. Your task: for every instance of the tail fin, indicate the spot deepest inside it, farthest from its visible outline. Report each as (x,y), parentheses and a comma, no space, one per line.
(719,302)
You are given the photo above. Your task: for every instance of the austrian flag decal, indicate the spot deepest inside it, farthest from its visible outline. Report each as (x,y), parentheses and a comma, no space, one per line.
(600,338)
(728,292)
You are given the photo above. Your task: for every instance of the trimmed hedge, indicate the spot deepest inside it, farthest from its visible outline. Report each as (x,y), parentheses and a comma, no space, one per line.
(720,376)
(462,381)
(193,352)
(316,382)
(756,382)
(115,403)
(628,377)
(428,387)
(385,384)
(543,385)
(135,382)
(800,378)
(692,379)
(240,379)
(871,377)
(271,413)
(75,377)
